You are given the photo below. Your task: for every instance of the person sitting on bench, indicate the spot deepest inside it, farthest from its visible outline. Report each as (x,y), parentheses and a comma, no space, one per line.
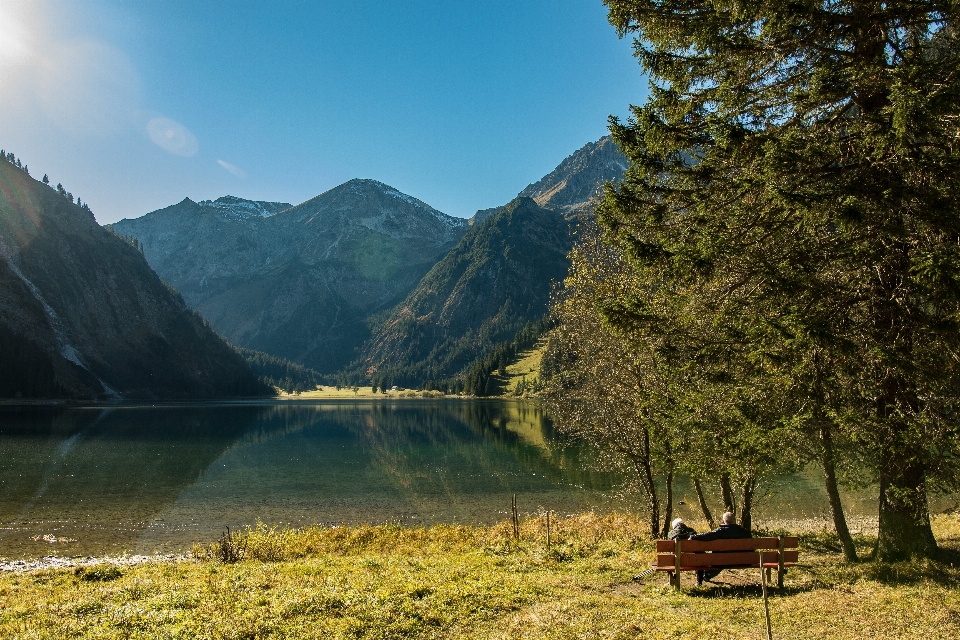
(728,530)
(680,531)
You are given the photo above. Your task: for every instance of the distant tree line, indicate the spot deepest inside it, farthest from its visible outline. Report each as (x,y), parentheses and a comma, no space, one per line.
(282,374)
(130,240)
(12,159)
(481,377)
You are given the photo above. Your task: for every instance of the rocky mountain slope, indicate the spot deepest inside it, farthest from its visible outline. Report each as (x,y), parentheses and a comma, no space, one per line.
(297,282)
(495,281)
(482,292)
(82,315)
(572,188)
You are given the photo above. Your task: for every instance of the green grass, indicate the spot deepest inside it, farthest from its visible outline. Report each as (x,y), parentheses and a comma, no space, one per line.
(477,582)
(525,366)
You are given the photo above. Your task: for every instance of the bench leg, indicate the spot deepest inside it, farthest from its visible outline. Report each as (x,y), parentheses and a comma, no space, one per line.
(768,574)
(675,580)
(780,573)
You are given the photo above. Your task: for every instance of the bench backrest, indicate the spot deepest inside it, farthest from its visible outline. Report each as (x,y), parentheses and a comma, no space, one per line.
(740,551)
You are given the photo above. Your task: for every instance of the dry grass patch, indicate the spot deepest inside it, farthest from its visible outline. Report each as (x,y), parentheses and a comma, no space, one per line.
(478,582)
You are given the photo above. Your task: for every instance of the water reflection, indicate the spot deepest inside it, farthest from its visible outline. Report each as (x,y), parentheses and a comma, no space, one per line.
(143,478)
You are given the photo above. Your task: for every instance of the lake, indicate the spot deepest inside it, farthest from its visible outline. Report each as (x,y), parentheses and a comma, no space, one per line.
(156,478)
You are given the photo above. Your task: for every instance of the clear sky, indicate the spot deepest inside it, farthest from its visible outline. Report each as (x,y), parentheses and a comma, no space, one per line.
(134,105)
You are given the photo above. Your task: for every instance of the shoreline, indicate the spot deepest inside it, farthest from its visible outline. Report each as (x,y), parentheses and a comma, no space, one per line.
(860,526)
(307,396)
(72,562)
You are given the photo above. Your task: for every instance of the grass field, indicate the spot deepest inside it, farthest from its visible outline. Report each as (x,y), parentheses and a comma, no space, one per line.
(477,582)
(526,367)
(362,393)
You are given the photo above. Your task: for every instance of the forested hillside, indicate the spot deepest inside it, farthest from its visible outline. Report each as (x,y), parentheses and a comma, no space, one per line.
(82,315)
(495,281)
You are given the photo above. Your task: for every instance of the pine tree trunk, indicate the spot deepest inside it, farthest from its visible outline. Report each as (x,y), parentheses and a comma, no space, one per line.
(727,492)
(703,504)
(904,516)
(668,507)
(830,480)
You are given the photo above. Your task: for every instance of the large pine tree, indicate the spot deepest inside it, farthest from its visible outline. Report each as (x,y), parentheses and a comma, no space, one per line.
(794,180)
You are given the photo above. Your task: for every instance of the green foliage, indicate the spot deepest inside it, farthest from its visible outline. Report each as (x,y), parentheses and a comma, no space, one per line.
(792,210)
(282,374)
(480,378)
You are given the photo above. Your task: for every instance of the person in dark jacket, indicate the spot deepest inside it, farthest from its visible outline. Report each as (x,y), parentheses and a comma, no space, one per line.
(680,531)
(728,530)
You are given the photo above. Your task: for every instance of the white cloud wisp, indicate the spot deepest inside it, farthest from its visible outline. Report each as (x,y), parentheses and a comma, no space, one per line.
(233,169)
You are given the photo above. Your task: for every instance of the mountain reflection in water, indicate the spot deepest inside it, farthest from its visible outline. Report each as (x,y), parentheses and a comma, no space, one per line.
(99,480)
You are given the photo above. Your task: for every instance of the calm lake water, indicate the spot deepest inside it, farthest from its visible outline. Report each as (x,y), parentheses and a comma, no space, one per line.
(142,479)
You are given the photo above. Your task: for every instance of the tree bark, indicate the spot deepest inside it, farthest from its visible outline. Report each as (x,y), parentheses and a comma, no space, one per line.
(644,467)
(833,493)
(703,504)
(727,492)
(904,515)
(668,507)
(746,503)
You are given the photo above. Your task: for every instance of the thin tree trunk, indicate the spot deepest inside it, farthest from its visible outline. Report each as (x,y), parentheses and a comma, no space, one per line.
(746,503)
(727,492)
(668,507)
(830,480)
(644,469)
(703,504)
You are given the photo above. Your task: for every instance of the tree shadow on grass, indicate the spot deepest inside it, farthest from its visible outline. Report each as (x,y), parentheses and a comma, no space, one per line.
(943,569)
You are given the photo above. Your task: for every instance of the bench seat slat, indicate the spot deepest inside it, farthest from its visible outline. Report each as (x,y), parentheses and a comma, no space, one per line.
(699,560)
(724,559)
(737,544)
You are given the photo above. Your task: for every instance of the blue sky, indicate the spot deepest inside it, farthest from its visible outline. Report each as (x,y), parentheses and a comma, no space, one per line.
(134,105)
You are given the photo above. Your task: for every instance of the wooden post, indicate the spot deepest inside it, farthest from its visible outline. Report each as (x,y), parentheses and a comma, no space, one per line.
(516,518)
(676,565)
(766,606)
(780,569)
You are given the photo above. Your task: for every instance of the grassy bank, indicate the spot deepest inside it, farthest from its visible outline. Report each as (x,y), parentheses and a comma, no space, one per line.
(453,581)
(362,393)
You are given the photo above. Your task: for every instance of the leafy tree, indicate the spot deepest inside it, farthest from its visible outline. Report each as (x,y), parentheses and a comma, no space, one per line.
(604,388)
(625,388)
(794,183)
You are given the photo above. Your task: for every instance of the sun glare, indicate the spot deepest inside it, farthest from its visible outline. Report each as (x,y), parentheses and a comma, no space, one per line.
(13,35)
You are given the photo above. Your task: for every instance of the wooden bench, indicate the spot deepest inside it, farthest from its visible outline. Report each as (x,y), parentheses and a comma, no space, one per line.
(675,556)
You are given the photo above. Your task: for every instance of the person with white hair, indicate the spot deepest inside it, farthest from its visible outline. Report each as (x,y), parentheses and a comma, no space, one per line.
(728,530)
(679,530)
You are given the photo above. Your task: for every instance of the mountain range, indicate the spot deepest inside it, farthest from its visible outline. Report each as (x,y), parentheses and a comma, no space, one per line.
(364,280)
(297,282)
(82,314)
